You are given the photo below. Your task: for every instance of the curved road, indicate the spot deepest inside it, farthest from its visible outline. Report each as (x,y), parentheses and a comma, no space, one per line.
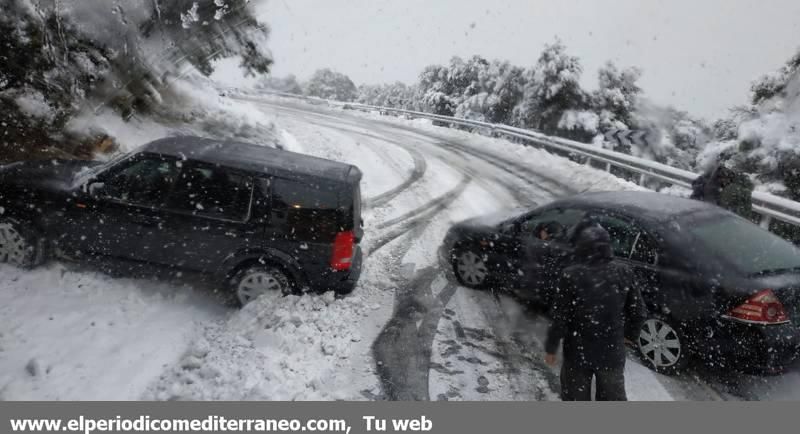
(444,341)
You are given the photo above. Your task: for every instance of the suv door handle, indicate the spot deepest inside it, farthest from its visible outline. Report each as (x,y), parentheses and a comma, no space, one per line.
(145,221)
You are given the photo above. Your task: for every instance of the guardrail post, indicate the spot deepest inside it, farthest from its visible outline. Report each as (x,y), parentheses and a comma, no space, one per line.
(642,178)
(608,167)
(765,221)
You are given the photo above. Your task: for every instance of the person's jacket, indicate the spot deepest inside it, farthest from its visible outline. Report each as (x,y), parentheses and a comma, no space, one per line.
(737,195)
(725,188)
(596,303)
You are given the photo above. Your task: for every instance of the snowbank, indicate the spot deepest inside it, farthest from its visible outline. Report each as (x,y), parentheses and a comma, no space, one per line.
(280,348)
(80,335)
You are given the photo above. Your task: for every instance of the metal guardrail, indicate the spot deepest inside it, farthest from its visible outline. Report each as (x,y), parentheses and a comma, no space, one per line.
(769,206)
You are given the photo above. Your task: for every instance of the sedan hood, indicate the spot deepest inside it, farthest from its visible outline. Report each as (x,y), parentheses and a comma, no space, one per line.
(44,173)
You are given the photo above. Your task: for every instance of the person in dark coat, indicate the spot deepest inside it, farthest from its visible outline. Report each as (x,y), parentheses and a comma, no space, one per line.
(540,268)
(596,304)
(725,188)
(587,221)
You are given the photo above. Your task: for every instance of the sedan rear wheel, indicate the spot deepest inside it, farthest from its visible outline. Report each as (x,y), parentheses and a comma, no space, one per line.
(471,269)
(662,346)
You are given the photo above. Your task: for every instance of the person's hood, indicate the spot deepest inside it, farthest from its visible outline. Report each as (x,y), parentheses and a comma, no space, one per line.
(593,245)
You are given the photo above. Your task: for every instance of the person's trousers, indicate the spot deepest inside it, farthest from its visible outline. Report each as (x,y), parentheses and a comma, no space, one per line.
(576,383)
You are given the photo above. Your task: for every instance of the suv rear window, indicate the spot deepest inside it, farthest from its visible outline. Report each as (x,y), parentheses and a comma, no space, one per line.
(749,248)
(309,210)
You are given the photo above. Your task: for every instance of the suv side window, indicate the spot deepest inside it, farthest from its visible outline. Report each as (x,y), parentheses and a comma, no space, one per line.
(212,191)
(144,181)
(565,218)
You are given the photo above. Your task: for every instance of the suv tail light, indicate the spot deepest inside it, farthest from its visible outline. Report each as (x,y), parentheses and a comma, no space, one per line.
(342,257)
(762,308)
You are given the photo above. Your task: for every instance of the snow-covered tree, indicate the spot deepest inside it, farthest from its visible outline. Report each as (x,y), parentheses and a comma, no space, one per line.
(616,96)
(552,88)
(763,139)
(396,95)
(59,59)
(329,84)
(434,90)
(774,84)
(493,94)
(204,31)
(286,84)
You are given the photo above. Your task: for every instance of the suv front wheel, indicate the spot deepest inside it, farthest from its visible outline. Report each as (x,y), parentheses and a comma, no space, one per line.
(19,244)
(253,282)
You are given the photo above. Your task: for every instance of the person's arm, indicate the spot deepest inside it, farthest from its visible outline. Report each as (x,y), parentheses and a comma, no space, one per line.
(561,316)
(635,310)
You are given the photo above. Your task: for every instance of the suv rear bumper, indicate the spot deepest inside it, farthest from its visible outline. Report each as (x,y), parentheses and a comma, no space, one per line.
(341,282)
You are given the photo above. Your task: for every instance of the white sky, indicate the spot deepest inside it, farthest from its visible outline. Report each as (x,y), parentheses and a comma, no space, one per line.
(698,55)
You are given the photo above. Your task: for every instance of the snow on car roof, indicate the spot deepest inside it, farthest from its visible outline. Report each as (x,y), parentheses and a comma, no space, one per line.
(252,158)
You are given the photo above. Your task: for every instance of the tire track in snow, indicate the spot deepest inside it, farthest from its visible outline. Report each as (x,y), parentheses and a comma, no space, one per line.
(524,173)
(552,188)
(417,173)
(326,120)
(487,181)
(417,217)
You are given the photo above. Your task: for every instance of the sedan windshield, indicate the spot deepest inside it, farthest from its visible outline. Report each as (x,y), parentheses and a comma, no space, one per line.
(749,248)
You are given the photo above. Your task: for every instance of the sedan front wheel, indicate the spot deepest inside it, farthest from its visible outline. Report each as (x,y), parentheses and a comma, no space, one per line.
(471,269)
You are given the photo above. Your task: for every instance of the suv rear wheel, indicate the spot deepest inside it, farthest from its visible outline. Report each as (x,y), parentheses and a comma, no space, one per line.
(19,245)
(253,282)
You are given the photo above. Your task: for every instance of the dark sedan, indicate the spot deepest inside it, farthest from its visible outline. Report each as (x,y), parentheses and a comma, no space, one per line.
(717,286)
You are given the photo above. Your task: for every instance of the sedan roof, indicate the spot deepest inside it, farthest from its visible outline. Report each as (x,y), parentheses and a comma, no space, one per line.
(648,204)
(253,158)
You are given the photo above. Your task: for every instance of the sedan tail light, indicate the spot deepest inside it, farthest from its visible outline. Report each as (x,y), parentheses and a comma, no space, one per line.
(762,308)
(343,248)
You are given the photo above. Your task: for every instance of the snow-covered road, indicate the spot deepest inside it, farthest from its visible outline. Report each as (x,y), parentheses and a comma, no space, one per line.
(443,341)
(406,332)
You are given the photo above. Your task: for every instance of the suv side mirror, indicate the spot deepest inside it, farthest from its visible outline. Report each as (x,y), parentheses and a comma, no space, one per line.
(96,188)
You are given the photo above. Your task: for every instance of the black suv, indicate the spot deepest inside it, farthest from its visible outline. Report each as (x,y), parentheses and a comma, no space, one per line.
(257,218)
